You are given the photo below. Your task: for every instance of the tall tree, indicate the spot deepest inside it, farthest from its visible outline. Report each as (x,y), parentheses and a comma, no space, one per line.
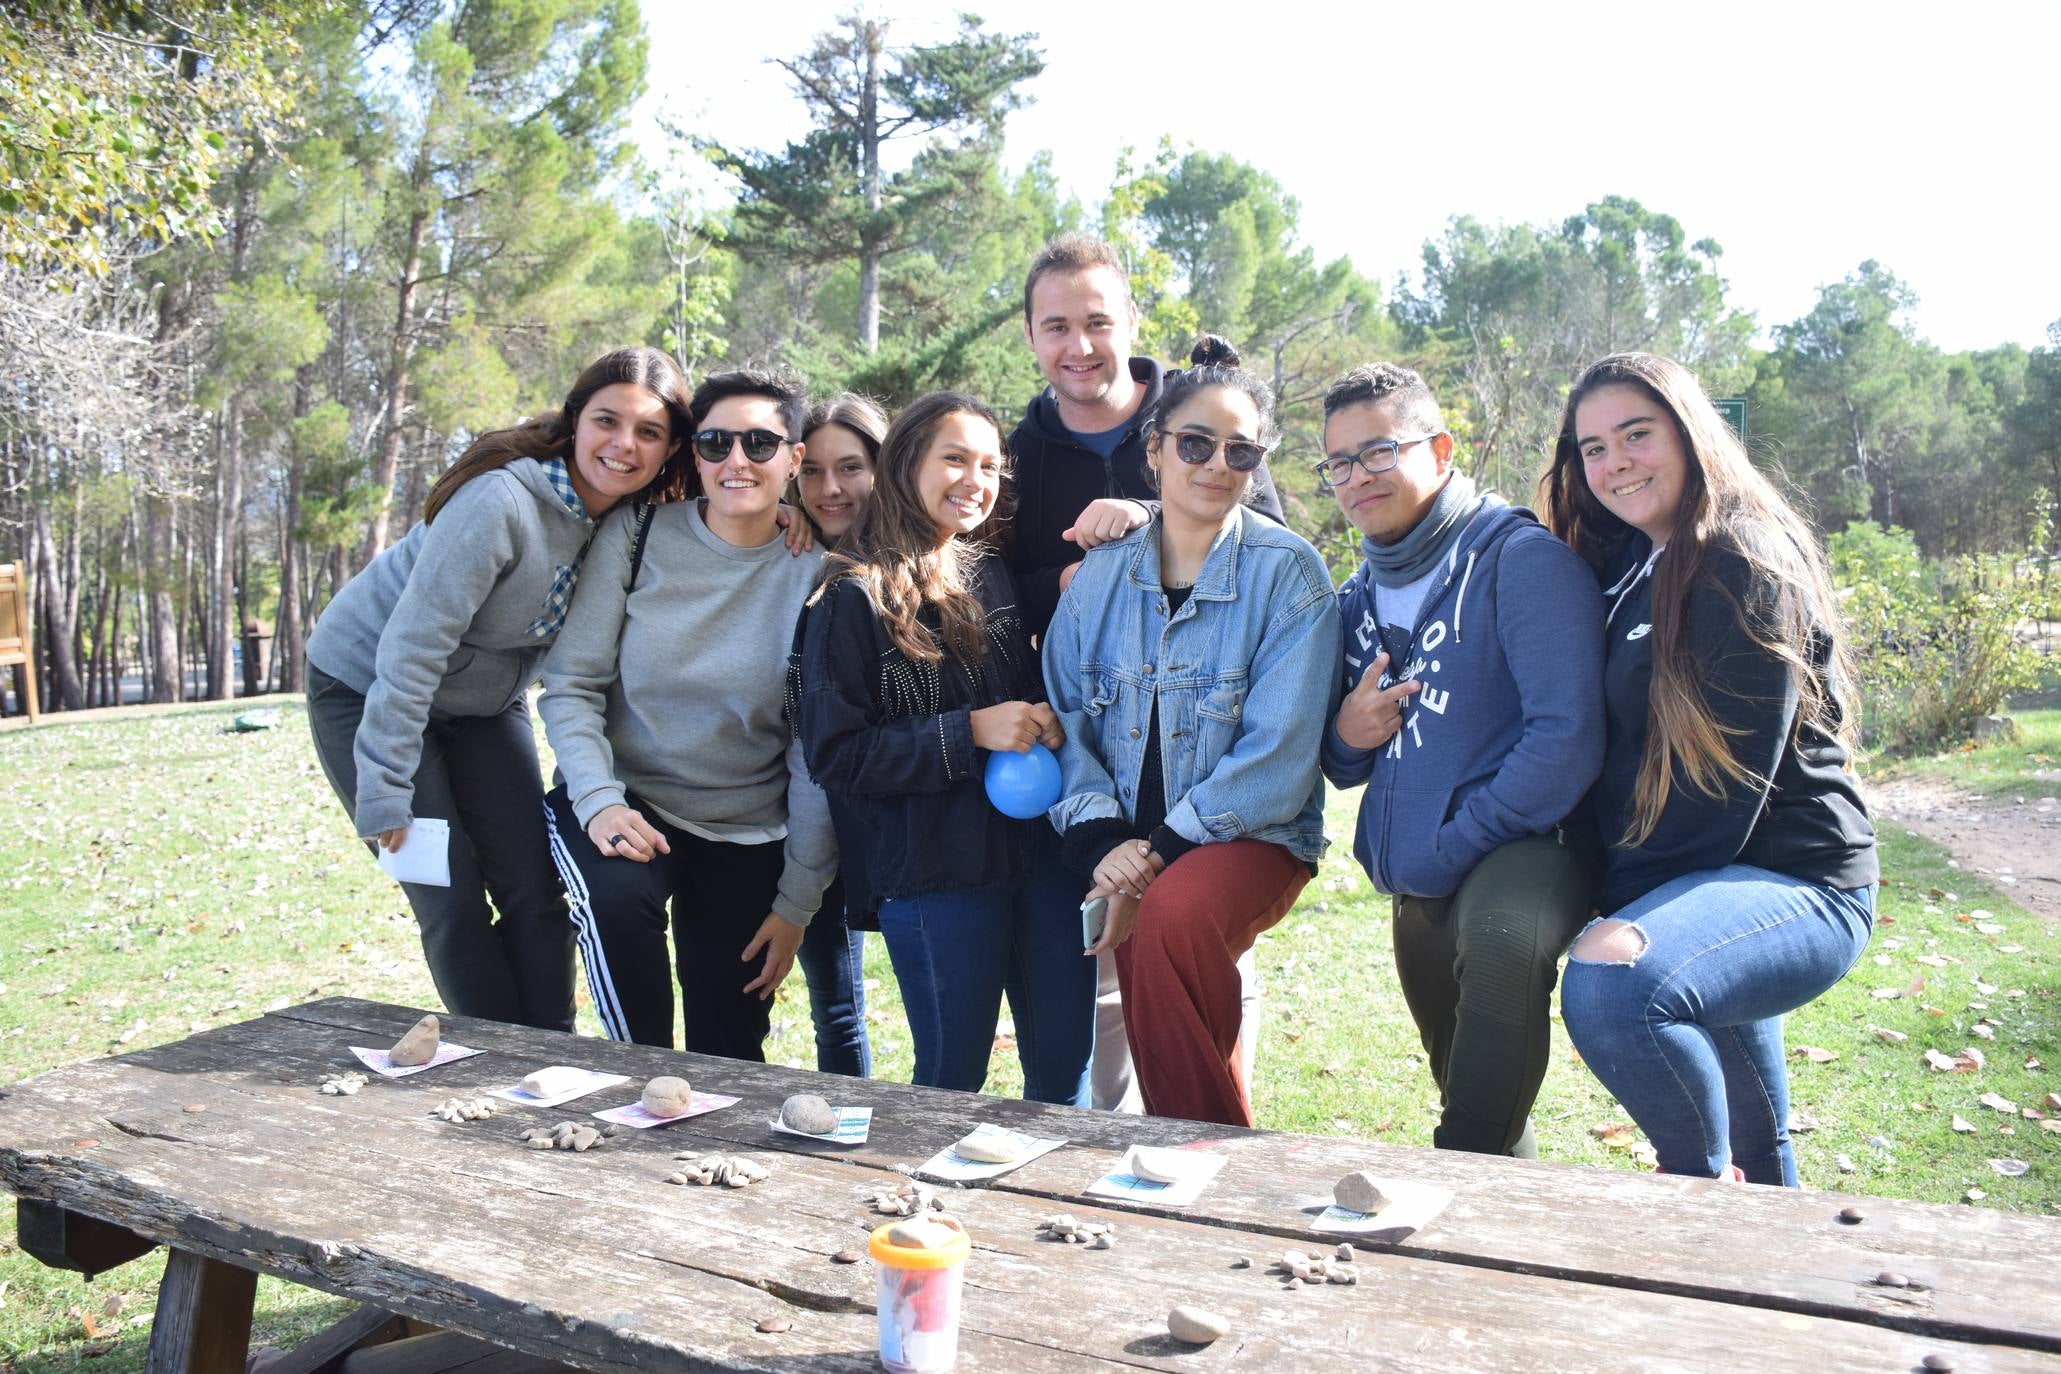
(830,197)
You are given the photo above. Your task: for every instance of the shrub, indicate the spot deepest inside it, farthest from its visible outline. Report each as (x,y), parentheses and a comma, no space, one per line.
(1937,644)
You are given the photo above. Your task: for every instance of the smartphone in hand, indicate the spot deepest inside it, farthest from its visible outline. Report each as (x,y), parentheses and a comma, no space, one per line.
(1094,918)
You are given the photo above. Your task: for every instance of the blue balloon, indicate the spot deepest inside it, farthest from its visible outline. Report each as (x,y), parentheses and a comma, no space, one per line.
(1023,785)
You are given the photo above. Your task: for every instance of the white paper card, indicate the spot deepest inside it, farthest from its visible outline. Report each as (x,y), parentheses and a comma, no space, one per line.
(634,1115)
(1197,1169)
(853,1124)
(948,1165)
(589,1081)
(1410,1207)
(379,1063)
(424,857)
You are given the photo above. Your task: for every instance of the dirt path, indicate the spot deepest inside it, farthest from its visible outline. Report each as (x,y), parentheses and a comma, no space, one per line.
(2015,844)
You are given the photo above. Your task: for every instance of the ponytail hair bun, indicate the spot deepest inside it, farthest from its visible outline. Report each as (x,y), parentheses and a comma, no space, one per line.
(1213,350)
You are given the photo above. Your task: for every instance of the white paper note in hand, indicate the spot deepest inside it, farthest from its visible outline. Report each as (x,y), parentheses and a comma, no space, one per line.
(424,857)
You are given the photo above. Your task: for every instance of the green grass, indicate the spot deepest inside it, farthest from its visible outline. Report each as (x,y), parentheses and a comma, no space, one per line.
(2027,767)
(159,876)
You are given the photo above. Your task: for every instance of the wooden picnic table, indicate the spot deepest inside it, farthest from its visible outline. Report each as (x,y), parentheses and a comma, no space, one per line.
(220,1147)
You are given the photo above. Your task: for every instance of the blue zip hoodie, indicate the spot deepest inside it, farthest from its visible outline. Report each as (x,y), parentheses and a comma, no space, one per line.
(1506,735)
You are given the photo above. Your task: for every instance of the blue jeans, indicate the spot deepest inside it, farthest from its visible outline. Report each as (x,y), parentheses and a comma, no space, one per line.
(1688,1035)
(833,964)
(955,953)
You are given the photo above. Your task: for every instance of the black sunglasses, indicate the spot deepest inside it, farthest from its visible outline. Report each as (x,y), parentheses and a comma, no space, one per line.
(1195,447)
(713,445)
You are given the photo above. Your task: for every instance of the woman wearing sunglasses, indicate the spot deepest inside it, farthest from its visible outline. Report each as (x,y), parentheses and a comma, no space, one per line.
(1194,664)
(916,665)
(840,452)
(664,700)
(418,673)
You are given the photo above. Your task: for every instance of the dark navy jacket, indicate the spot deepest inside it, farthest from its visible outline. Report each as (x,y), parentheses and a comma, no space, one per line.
(1506,734)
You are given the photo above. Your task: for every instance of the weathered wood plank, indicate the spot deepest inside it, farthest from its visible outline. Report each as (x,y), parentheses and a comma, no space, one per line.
(327,1349)
(591,1260)
(1766,1246)
(203,1317)
(445,1352)
(67,1240)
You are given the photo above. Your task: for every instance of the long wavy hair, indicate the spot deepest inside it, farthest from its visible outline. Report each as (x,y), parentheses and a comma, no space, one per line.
(1727,504)
(861,415)
(894,550)
(550,435)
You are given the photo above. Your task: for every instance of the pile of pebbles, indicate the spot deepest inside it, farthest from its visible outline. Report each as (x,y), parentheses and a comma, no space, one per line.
(1302,1269)
(735,1171)
(341,1084)
(906,1199)
(458,1109)
(1097,1235)
(566,1135)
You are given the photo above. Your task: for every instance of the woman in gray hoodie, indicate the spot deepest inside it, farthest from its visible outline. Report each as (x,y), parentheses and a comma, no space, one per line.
(418,668)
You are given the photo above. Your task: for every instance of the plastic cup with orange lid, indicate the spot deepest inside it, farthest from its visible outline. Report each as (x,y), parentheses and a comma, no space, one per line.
(921,1268)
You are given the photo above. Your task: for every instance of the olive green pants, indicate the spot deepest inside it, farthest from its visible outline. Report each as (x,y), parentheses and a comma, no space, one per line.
(1477,970)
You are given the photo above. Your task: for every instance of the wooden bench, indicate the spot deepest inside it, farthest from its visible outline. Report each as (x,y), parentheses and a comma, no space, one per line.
(220,1147)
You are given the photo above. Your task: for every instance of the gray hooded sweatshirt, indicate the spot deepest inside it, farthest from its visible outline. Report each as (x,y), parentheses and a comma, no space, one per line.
(676,690)
(440,624)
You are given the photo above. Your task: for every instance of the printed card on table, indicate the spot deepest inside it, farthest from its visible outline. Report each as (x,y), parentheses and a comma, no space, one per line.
(590,1080)
(1193,1170)
(1410,1207)
(853,1125)
(948,1165)
(634,1114)
(424,856)
(379,1063)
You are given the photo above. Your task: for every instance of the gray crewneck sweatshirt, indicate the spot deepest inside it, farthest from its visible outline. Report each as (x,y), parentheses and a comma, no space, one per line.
(439,624)
(675,690)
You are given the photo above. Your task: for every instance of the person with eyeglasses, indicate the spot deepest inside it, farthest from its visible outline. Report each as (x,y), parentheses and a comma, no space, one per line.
(1194,663)
(679,777)
(916,669)
(1472,711)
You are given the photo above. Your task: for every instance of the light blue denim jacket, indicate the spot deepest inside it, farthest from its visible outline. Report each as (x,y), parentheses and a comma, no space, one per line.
(1246,674)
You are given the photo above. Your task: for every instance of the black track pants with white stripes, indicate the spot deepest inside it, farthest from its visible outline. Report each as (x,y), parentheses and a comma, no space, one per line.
(719,893)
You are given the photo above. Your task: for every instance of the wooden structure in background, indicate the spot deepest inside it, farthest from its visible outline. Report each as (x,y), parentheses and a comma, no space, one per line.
(15,650)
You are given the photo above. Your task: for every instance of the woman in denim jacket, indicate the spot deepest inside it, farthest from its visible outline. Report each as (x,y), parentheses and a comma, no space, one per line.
(1194,664)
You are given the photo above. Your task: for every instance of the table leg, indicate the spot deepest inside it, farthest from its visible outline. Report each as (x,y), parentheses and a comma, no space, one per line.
(203,1317)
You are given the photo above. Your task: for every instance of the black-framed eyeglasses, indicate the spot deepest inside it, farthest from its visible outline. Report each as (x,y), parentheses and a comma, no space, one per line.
(713,445)
(1196,447)
(1377,457)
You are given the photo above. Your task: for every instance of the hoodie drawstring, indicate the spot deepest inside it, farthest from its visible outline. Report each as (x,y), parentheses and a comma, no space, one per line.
(1460,603)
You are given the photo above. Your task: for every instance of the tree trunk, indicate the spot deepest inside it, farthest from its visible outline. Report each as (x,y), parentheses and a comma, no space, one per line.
(66,690)
(399,357)
(228,527)
(161,571)
(254,667)
(869,153)
(287,630)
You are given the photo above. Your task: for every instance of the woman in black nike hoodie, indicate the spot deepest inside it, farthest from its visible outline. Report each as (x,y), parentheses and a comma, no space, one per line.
(1739,870)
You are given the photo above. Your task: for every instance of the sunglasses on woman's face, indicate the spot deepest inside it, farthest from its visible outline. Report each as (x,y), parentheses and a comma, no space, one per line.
(1196,447)
(713,445)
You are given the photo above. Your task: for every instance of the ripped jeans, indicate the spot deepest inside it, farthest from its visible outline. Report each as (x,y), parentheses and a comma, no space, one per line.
(1688,1034)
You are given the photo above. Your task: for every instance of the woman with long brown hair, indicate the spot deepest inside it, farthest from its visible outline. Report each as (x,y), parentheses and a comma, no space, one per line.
(1739,863)
(417,673)
(916,665)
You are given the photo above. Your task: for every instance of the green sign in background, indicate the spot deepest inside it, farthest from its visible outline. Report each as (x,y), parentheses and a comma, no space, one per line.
(1733,408)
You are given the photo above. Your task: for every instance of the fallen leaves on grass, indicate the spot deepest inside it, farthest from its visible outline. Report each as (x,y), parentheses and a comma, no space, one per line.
(1616,1135)
(2010,1168)
(1963,1124)
(1890,1037)
(1967,1061)
(1997,1102)
(1814,1054)
(1982,1030)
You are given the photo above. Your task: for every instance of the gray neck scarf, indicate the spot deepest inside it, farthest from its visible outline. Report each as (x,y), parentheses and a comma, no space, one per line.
(1416,553)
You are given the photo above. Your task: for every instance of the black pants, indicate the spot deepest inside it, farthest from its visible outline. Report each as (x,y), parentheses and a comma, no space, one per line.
(481,774)
(1477,969)
(720,895)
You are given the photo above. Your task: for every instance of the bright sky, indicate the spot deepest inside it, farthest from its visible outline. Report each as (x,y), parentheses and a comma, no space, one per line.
(1803,136)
